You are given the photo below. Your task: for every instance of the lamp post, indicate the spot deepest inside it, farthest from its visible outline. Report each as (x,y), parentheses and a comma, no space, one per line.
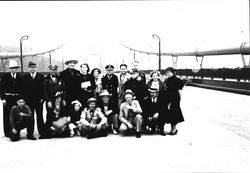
(159,39)
(21,50)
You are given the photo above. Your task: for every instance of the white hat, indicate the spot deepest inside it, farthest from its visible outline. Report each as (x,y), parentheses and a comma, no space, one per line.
(76,102)
(105,93)
(13,64)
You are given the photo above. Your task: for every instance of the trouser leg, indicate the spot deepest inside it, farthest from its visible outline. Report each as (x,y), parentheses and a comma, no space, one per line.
(138,122)
(39,118)
(29,123)
(10,102)
(115,121)
(123,128)
(6,119)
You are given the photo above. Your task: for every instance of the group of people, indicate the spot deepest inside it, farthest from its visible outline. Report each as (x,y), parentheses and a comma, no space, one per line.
(88,103)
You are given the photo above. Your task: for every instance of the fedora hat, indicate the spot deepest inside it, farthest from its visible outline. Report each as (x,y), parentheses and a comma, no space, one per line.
(128,91)
(13,64)
(32,64)
(90,100)
(105,93)
(71,61)
(53,67)
(76,102)
(153,90)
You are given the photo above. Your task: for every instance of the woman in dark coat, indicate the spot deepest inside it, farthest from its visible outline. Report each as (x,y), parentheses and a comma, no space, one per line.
(57,113)
(172,88)
(87,82)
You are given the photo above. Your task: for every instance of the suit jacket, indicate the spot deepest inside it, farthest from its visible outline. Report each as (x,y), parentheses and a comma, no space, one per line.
(32,89)
(110,84)
(153,107)
(111,106)
(52,87)
(10,85)
(71,78)
(138,87)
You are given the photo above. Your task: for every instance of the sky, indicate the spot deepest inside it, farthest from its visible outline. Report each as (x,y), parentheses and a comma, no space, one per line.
(94,32)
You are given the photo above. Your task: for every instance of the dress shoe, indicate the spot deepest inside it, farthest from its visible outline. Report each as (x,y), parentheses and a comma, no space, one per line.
(138,134)
(162,133)
(44,137)
(31,137)
(115,132)
(173,133)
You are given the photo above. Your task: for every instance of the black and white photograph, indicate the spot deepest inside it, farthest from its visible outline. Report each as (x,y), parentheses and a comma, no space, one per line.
(125,86)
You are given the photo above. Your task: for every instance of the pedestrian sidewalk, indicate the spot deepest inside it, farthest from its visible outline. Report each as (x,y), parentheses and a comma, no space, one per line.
(200,146)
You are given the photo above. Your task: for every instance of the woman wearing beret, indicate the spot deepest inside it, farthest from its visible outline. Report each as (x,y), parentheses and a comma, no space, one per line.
(172,89)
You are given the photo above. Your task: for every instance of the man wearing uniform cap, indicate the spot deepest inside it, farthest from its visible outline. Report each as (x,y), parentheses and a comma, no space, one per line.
(93,123)
(70,76)
(10,89)
(52,85)
(154,111)
(33,94)
(110,83)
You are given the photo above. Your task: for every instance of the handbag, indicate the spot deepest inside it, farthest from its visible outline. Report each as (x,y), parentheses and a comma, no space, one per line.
(61,123)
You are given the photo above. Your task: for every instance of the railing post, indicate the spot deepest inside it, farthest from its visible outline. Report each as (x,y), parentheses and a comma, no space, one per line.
(186,73)
(201,73)
(238,74)
(223,73)
(212,74)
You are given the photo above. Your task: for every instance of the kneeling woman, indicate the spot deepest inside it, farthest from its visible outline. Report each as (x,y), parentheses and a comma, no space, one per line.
(93,123)
(57,119)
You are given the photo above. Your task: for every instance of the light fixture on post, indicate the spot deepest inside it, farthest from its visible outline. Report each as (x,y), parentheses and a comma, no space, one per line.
(26,37)
(159,40)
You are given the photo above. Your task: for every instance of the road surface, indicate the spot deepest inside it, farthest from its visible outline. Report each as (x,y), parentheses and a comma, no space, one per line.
(215,137)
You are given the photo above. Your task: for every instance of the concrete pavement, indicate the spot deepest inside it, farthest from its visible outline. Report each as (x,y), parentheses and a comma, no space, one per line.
(203,144)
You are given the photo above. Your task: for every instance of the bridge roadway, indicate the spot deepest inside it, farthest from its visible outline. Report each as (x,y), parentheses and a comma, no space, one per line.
(215,137)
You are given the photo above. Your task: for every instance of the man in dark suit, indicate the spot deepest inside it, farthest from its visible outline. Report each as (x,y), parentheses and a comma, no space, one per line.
(110,83)
(71,78)
(33,94)
(10,89)
(154,112)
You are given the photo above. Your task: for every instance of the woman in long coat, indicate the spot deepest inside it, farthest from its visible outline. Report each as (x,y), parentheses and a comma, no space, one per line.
(87,84)
(172,89)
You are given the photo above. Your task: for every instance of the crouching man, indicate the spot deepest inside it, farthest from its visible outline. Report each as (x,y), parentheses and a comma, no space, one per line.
(110,110)
(21,117)
(154,112)
(130,114)
(93,123)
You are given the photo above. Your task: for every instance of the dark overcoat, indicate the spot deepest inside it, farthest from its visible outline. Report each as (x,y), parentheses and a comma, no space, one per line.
(171,95)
